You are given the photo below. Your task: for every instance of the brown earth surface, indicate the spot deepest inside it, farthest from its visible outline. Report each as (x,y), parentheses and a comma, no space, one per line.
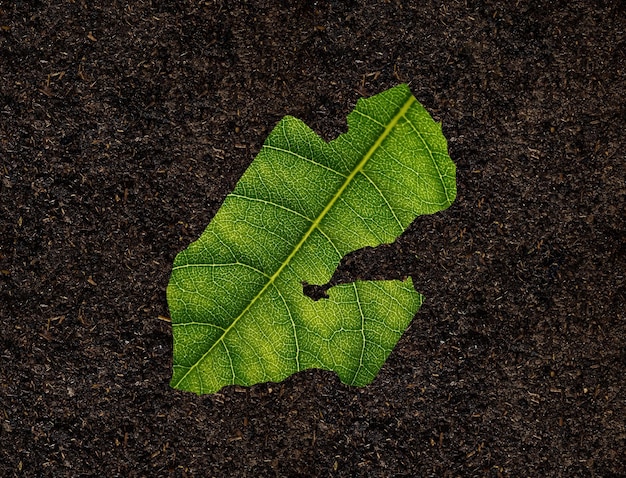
(122,129)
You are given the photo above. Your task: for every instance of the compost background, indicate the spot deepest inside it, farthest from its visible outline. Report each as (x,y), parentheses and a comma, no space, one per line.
(122,129)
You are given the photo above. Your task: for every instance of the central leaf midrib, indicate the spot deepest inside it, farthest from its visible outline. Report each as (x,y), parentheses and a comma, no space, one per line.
(359,167)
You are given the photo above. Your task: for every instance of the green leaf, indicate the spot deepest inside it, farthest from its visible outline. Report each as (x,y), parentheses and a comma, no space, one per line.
(239,314)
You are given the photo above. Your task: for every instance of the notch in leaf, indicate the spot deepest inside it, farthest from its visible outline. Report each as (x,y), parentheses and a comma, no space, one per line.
(239,314)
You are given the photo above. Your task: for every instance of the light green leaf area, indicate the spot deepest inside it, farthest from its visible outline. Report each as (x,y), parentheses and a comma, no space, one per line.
(239,314)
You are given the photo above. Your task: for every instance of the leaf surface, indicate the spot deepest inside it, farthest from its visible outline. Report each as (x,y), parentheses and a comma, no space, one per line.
(239,314)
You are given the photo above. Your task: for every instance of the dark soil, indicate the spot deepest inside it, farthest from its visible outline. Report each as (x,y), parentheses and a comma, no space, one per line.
(122,129)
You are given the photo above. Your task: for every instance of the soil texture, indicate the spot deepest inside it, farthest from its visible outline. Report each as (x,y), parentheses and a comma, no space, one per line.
(123,126)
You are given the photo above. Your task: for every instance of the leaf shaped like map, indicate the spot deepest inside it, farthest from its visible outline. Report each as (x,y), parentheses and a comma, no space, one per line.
(239,314)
